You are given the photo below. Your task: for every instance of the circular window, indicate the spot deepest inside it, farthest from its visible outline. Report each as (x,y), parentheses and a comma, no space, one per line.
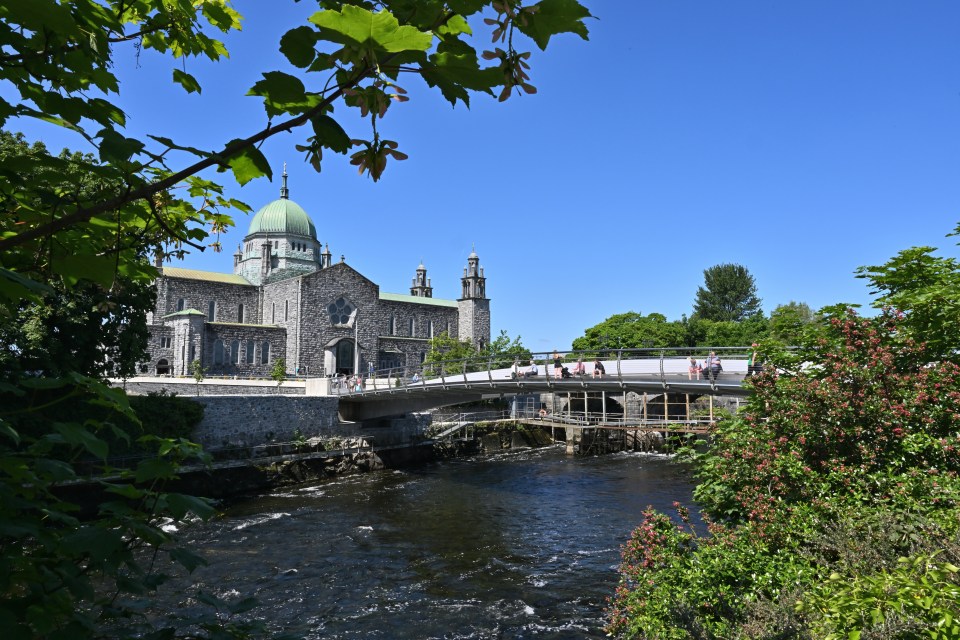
(340,312)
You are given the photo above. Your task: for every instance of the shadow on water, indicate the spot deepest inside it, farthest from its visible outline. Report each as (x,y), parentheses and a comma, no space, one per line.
(514,545)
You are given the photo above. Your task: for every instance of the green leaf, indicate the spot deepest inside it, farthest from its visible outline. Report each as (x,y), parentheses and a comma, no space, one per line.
(181,504)
(115,148)
(455,26)
(14,286)
(167,142)
(454,74)
(186,81)
(96,542)
(298,46)
(555,16)
(187,559)
(355,25)
(75,267)
(247,164)
(155,469)
(282,93)
(78,436)
(330,134)
(38,15)
(10,433)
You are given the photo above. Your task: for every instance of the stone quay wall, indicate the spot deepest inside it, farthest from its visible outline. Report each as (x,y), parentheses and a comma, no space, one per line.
(256,421)
(254,413)
(250,421)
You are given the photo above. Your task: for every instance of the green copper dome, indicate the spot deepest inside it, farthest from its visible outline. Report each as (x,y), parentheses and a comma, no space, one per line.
(283,216)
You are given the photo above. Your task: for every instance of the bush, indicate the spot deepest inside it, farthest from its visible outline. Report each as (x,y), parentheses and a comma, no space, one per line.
(838,486)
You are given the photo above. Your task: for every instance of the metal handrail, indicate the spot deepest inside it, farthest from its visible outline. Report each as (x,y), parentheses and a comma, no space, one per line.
(491,370)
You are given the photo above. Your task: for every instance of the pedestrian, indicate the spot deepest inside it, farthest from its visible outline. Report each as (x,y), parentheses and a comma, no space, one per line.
(598,369)
(533,370)
(753,362)
(557,365)
(694,369)
(579,369)
(713,366)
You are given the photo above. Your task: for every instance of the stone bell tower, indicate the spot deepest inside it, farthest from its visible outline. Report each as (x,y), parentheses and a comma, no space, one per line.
(421,283)
(474,306)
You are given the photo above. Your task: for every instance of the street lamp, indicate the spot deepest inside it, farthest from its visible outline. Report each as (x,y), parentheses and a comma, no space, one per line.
(356,342)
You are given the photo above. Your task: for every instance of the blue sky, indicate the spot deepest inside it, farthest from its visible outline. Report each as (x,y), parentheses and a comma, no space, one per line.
(800,139)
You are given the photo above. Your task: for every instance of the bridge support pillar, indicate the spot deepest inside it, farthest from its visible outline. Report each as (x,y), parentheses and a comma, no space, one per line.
(571,434)
(317,387)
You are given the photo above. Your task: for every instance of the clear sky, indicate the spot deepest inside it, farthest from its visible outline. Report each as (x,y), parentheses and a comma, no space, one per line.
(800,139)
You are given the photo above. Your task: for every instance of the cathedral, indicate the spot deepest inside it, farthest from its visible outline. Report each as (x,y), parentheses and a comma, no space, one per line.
(287,298)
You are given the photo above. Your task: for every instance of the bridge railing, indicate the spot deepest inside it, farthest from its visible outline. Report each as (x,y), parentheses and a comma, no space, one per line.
(666,364)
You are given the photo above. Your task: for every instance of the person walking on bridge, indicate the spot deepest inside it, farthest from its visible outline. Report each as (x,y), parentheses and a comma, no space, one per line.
(557,365)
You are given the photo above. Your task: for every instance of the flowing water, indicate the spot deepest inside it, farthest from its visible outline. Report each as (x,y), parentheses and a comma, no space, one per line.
(515,545)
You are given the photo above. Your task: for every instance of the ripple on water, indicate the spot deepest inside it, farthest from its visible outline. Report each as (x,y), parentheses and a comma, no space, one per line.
(515,545)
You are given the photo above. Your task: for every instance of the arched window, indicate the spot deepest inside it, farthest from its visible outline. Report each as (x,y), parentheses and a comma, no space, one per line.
(265,353)
(411,326)
(180,304)
(163,367)
(286,309)
(393,324)
(218,352)
(211,311)
(235,352)
(240,313)
(430,329)
(273,312)
(250,345)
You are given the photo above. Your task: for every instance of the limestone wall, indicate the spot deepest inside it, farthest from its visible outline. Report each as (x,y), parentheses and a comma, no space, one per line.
(242,421)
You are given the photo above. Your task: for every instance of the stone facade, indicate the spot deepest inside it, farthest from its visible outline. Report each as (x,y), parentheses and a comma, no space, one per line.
(286,299)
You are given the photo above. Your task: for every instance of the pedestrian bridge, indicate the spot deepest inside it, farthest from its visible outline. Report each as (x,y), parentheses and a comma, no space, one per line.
(641,371)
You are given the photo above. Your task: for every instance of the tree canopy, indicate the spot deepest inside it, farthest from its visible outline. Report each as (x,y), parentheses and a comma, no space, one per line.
(632,330)
(729,293)
(448,355)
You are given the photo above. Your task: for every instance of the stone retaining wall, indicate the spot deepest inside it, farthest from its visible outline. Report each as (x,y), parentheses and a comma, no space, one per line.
(248,421)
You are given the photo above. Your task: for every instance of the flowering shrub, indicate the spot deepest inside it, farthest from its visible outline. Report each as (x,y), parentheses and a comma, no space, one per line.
(861,426)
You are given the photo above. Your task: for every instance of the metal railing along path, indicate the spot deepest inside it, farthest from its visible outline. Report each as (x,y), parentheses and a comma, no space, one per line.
(654,370)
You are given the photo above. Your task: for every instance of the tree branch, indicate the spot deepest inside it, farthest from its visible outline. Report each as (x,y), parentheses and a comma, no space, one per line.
(146,191)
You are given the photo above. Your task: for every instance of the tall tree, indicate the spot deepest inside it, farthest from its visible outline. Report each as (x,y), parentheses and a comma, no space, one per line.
(788,321)
(632,330)
(729,294)
(926,288)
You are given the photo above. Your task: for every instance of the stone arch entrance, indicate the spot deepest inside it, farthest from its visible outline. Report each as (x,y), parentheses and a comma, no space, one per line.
(163,367)
(338,357)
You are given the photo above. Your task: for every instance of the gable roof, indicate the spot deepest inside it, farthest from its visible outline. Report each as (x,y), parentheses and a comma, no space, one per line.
(207,276)
(401,297)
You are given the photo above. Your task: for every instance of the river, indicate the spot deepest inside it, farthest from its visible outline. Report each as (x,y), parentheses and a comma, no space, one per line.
(514,545)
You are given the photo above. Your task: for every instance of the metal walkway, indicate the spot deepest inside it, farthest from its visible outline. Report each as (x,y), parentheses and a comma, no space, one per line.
(639,372)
